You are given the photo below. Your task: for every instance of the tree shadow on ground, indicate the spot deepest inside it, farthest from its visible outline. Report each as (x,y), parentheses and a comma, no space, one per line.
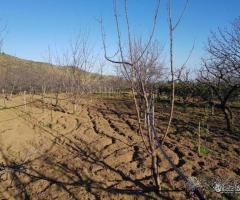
(71,173)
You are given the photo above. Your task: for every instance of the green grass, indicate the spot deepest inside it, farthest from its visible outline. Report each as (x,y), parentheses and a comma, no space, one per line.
(49,125)
(204,150)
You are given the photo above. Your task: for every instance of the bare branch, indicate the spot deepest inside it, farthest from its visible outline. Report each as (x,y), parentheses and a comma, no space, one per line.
(181,16)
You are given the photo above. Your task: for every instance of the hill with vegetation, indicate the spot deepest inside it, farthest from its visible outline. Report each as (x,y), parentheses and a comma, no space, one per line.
(20,74)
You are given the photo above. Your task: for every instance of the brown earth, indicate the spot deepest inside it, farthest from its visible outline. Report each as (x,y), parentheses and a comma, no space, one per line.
(96,152)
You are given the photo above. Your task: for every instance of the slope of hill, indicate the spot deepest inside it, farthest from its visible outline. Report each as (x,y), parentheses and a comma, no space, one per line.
(23,74)
(12,62)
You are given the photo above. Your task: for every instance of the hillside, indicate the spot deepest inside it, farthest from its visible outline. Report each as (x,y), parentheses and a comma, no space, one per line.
(9,61)
(15,72)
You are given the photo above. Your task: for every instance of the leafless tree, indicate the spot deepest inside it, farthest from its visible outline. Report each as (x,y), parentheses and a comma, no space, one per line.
(221,68)
(79,63)
(140,64)
(172,26)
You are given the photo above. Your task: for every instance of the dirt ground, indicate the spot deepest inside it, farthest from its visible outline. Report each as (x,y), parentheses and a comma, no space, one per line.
(96,152)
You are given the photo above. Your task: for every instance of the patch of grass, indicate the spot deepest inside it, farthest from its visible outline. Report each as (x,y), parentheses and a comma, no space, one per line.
(205,132)
(210,170)
(165,187)
(204,150)
(49,125)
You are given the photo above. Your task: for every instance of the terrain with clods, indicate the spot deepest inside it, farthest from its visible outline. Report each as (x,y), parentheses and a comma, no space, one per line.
(49,152)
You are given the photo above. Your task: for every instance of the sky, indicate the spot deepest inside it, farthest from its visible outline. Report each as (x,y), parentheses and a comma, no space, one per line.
(34,25)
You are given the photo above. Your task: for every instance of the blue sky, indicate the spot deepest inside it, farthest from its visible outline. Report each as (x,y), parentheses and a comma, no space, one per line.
(33,25)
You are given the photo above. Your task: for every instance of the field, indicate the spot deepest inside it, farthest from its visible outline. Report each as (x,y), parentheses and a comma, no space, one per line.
(96,153)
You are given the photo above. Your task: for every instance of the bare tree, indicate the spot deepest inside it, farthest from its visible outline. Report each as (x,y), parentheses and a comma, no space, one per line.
(137,67)
(221,68)
(172,28)
(79,63)
(140,65)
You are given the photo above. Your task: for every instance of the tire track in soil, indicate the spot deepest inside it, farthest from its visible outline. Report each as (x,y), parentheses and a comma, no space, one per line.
(121,121)
(179,155)
(116,143)
(116,133)
(133,139)
(120,115)
(136,165)
(118,153)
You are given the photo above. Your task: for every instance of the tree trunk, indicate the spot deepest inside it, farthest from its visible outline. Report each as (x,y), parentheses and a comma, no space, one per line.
(12,92)
(51,107)
(199,138)
(228,116)
(43,97)
(212,109)
(56,98)
(24,100)
(74,103)
(155,171)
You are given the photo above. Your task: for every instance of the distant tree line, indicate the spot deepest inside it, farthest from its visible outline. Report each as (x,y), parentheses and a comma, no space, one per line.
(193,92)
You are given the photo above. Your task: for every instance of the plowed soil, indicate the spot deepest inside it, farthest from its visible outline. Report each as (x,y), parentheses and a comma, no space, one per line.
(96,152)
